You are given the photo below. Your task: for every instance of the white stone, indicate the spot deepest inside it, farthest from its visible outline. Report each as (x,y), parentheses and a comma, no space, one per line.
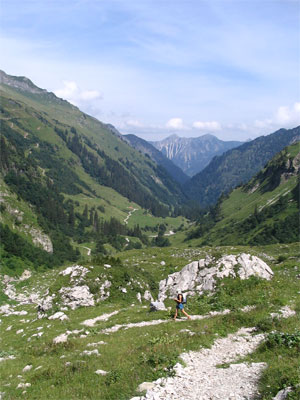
(123,290)
(282,395)
(145,386)
(90,353)
(139,297)
(27,368)
(96,344)
(157,306)
(59,315)
(26,275)
(101,372)
(23,385)
(77,296)
(61,338)
(148,296)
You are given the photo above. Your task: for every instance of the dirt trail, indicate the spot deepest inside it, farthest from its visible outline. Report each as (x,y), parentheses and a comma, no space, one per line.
(202,380)
(129,215)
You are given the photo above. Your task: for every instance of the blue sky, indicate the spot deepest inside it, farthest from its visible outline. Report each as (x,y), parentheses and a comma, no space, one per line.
(154,68)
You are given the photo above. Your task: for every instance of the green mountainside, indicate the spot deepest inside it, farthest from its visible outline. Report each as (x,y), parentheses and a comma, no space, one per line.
(88,238)
(237,166)
(77,179)
(264,211)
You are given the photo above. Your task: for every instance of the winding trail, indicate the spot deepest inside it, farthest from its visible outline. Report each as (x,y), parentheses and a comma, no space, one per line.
(129,215)
(88,249)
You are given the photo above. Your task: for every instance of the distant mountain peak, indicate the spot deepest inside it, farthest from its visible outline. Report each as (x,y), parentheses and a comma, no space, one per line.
(193,154)
(20,82)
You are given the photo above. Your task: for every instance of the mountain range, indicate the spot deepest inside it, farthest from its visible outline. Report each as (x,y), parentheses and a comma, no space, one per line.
(263,211)
(192,155)
(68,179)
(237,166)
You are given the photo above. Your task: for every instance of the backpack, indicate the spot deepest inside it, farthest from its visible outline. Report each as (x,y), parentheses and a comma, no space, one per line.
(184,299)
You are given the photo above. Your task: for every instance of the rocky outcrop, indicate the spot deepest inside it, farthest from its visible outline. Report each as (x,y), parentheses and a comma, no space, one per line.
(200,276)
(77,296)
(41,239)
(76,273)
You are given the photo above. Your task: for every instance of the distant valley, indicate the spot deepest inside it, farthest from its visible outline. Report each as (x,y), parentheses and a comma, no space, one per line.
(192,155)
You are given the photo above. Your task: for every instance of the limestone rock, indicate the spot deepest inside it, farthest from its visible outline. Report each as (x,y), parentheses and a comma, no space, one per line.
(59,315)
(77,296)
(200,276)
(139,297)
(26,275)
(27,368)
(148,296)
(282,395)
(157,306)
(44,305)
(61,338)
(76,272)
(100,372)
(41,239)
(145,386)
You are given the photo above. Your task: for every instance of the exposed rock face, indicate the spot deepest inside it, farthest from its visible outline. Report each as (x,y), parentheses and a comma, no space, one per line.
(77,296)
(41,239)
(200,276)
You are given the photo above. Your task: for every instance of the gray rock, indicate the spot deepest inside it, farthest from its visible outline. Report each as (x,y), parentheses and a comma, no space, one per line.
(145,386)
(41,239)
(27,368)
(200,276)
(101,372)
(77,296)
(59,315)
(26,275)
(282,395)
(148,296)
(157,306)
(139,297)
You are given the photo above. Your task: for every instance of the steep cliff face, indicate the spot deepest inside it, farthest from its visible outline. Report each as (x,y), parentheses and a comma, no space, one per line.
(193,154)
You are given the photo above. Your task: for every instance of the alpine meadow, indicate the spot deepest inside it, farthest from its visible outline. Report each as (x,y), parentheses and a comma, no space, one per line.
(167,163)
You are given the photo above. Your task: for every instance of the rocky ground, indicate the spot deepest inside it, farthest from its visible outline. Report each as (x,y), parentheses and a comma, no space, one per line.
(202,379)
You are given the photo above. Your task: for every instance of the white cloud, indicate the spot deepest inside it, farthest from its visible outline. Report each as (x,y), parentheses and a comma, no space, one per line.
(288,115)
(284,117)
(134,123)
(175,123)
(208,125)
(74,94)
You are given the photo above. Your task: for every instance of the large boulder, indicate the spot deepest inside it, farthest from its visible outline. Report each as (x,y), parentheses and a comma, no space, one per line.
(200,276)
(157,306)
(77,296)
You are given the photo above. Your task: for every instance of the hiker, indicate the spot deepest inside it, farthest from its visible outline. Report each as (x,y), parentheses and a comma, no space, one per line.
(180,306)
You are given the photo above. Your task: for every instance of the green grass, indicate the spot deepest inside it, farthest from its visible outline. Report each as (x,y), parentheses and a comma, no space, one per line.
(143,354)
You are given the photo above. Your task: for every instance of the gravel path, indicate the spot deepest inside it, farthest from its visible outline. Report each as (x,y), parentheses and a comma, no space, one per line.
(202,380)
